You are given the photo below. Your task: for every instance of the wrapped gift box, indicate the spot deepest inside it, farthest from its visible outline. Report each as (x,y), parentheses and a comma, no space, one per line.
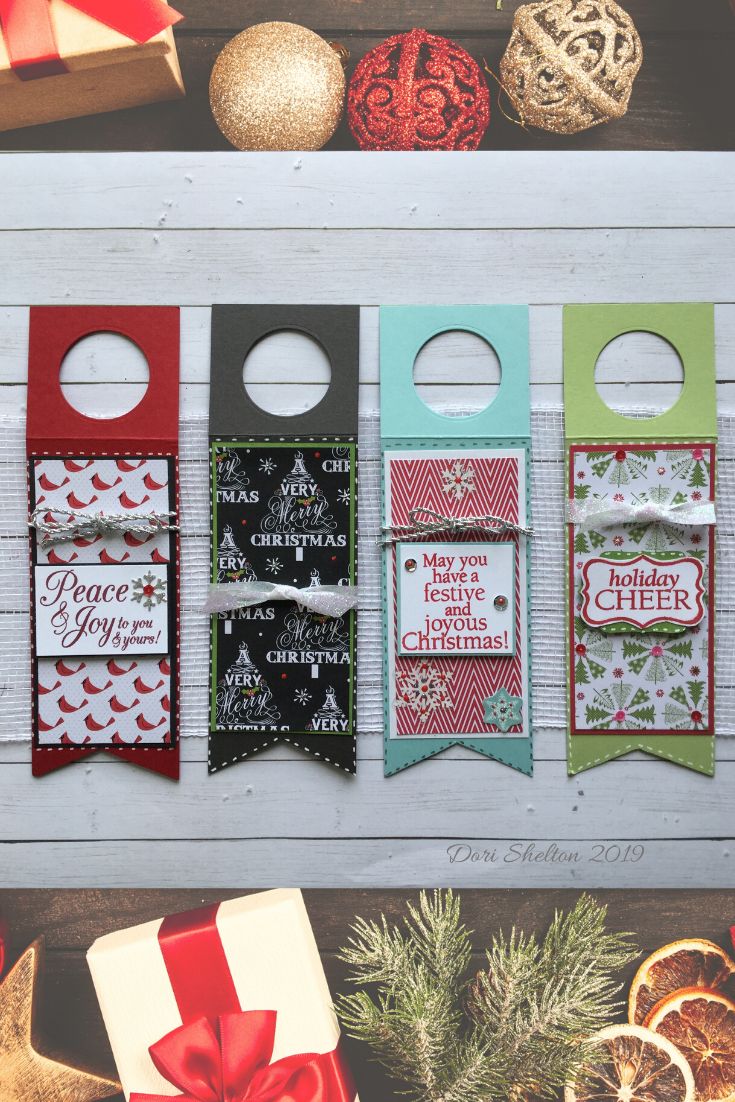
(251,954)
(97,69)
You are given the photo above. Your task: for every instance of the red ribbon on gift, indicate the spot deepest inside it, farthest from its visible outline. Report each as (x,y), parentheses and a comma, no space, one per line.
(222,1053)
(228,1059)
(29,33)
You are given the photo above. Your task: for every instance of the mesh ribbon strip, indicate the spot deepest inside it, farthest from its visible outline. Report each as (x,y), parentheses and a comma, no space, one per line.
(547,550)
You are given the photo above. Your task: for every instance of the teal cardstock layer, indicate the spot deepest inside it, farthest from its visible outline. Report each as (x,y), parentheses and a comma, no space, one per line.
(438,473)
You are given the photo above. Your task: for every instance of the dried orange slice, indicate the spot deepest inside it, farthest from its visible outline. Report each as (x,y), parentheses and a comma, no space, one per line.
(632,1064)
(701,1024)
(693,962)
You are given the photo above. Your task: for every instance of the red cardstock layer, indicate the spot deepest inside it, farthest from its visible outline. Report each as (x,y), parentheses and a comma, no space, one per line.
(105,651)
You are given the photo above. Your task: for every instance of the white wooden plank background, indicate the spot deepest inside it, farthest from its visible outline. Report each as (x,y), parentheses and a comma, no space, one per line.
(191,230)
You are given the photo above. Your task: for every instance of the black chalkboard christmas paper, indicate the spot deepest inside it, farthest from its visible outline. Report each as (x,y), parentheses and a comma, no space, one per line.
(284,508)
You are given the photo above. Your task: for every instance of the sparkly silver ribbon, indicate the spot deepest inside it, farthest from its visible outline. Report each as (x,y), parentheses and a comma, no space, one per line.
(328,600)
(427,522)
(600,512)
(89,525)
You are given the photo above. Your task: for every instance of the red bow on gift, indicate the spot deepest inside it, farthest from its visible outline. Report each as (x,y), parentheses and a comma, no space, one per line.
(227,1059)
(29,33)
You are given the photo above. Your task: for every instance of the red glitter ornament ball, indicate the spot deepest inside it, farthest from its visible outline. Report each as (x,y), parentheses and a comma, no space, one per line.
(418,91)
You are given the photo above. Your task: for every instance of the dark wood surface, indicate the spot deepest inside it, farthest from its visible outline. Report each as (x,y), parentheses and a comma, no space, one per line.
(69,1021)
(684,97)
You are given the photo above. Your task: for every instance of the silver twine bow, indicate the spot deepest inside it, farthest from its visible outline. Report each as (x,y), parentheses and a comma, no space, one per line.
(89,525)
(328,600)
(600,512)
(427,522)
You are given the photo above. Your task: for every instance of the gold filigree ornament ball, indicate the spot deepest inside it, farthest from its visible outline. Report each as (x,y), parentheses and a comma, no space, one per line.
(278,86)
(571,64)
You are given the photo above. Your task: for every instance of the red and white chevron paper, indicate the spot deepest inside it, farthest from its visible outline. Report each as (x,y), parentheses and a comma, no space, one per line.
(442,696)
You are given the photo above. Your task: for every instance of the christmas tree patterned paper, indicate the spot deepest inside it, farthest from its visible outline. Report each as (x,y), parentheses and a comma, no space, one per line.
(243,698)
(644,668)
(641,548)
(232,564)
(330,716)
(298,505)
(295,524)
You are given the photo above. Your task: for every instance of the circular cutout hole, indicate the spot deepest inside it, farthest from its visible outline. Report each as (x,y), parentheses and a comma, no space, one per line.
(639,375)
(457,373)
(287,373)
(104,375)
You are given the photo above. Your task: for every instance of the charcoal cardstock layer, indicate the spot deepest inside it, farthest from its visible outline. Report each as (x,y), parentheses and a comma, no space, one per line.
(456,598)
(284,508)
(104,603)
(641,548)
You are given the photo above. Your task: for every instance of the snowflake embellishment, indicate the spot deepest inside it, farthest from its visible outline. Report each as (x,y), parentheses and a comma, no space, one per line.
(423,688)
(503,710)
(344,497)
(458,480)
(273,566)
(267,466)
(148,591)
(302,696)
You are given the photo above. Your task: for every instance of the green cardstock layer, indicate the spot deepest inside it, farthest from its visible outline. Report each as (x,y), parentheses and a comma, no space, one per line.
(640,548)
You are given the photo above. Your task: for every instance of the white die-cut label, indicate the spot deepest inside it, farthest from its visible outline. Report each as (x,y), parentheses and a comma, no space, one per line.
(642,591)
(456,598)
(93,610)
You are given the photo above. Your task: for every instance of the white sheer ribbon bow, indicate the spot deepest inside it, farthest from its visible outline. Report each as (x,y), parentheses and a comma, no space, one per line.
(599,512)
(327,600)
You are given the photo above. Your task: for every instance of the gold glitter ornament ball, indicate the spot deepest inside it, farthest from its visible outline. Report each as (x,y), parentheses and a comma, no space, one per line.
(277,86)
(570,64)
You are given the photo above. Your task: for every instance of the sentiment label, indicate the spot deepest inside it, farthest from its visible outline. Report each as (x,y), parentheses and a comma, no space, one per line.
(642,591)
(101,610)
(456,598)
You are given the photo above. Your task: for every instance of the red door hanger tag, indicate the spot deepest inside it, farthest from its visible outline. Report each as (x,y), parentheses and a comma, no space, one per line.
(104,550)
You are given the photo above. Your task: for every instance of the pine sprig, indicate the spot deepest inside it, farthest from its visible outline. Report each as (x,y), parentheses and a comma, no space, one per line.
(511,1033)
(414,1020)
(537,1000)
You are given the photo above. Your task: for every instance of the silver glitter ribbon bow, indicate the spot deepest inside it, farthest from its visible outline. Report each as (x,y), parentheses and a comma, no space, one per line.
(89,525)
(427,522)
(327,600)
(600,512)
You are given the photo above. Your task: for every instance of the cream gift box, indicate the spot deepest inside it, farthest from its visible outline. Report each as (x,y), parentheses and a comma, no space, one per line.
(106,71)
(270,956)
